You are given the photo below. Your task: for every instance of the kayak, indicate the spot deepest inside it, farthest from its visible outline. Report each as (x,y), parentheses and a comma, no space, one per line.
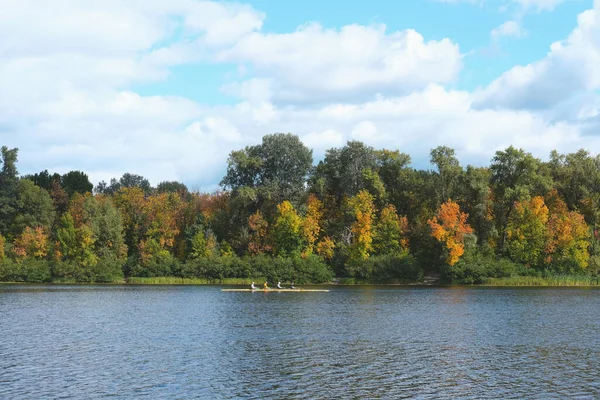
(273,290)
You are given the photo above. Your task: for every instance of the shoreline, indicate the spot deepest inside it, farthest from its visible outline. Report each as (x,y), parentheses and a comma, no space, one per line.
(494,283)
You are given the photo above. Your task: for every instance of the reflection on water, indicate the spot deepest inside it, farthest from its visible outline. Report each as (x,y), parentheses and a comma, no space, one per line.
(198,342)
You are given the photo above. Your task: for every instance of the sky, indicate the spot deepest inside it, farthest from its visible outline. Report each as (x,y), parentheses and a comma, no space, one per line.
(166,89)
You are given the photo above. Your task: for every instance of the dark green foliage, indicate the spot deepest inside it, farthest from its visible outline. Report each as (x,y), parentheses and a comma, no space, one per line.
(296,269)
(76,182)
(390,268)
(161,264)
(29,270)
(277,168)
(44,179)
(8,188)
(172,187)
(108,269)
(475,266)
(33,207)
(128,180)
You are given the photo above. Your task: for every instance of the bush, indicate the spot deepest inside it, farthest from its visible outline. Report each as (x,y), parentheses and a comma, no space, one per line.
(28,270)
(161,264)
(297,269)
(400,267)
(475,267)
(108,269)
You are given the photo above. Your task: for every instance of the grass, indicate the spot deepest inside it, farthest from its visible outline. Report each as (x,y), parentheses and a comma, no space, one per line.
(171,280)
(553,280)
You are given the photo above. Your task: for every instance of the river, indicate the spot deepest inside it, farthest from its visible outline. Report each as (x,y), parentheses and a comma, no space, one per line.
(182,342)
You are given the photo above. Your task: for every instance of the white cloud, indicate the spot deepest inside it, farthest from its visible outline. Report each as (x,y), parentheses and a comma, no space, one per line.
(355,61)
(508,29)
(67,71)
(571,66)
(539,5)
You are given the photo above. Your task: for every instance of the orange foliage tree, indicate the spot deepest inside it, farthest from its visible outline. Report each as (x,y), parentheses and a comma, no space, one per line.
(259,226)
(450,226)
(567,242)
(31,243)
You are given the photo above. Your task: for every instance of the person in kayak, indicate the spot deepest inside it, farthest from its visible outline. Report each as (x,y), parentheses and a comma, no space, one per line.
(279,285)
(292,286)
(252,286)
(266,286)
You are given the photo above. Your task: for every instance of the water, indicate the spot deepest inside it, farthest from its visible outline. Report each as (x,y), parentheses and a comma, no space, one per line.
(89,342)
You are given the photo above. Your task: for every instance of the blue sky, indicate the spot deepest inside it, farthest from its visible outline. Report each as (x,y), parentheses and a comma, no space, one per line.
(167,89)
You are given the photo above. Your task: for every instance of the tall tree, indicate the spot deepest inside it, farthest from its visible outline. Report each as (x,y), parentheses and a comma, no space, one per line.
(287,231)
(33,206)
(8,188)
(568,237)
(76,182)
(448,172)
(172,187)
(363,211)
(390,232)
(526,232)
(515,176)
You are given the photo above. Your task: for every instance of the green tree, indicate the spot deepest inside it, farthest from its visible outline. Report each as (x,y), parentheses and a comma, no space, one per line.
(172,187)
(76,182)
(515,176)
(448,172)
(277,168)
(33,208)
(8,188)
(390,232)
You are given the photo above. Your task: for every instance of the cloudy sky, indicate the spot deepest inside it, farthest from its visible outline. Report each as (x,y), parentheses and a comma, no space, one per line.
(167,88)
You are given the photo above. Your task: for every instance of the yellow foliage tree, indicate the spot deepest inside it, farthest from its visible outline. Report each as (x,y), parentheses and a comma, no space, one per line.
(31,243)
(311,226)
(363,210)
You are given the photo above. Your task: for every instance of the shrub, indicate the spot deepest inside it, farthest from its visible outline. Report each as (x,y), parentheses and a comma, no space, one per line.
(399,267)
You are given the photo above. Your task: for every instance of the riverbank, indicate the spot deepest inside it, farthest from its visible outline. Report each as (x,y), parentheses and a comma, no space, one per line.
(565,280)
(516,281)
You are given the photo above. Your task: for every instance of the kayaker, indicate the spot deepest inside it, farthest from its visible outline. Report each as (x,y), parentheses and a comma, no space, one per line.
(266,286)
(292,286)
(252,286)
(279,285)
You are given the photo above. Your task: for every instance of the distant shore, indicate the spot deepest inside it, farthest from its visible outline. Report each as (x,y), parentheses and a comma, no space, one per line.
(517,281)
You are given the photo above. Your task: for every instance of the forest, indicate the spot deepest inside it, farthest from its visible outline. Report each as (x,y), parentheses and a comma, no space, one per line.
(361,214)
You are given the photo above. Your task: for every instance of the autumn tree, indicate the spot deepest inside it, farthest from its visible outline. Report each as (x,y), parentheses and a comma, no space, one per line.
(287,231)
(311,226)
(567,243)
(76,245)
(450,226)
(526,231)
(31,243)
(390,232)
(258,243)
(362,210)
(325,248)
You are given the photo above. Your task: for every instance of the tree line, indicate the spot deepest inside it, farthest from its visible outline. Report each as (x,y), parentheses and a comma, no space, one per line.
(361,213)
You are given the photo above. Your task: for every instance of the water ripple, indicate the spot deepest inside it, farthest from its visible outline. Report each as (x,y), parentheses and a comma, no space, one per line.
(372,343)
